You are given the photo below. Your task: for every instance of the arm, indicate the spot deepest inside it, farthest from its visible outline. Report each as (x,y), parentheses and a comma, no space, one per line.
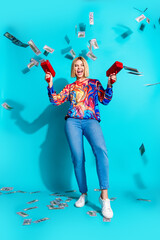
(104,96)
(56,99)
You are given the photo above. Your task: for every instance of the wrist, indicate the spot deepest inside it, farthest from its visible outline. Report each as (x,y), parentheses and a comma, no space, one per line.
(50,85)
(109,86)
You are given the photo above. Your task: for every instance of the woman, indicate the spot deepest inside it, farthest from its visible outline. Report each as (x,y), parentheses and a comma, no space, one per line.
(83,118)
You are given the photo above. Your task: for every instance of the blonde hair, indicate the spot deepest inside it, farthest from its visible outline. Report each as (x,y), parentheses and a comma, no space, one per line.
(86,68)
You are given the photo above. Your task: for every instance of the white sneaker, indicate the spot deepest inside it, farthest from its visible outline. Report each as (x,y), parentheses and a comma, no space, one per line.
(81,201)
(106,208)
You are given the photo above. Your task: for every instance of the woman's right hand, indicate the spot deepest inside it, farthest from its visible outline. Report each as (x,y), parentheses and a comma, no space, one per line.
(49,79)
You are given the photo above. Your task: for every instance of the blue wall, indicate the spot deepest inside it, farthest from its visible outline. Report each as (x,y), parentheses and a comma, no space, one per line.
(34,150)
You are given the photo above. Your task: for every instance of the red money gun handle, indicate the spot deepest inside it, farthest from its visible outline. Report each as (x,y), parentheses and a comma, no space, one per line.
(47,67)
(115,68)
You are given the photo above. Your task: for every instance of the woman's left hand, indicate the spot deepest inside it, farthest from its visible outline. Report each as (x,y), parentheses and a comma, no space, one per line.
(112,79)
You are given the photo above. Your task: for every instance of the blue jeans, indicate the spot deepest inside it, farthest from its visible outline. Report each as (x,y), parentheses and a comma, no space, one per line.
(90,128)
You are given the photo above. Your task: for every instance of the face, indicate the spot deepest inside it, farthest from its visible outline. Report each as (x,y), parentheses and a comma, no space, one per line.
(79,68)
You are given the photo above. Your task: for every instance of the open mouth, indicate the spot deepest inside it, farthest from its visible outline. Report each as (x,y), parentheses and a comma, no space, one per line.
(80,71)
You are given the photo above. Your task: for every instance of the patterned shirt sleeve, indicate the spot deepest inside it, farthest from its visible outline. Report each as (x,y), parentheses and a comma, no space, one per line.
(58,99)
(104,96)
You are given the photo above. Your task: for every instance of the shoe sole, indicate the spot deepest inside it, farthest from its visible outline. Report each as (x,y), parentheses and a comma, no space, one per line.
(107,217)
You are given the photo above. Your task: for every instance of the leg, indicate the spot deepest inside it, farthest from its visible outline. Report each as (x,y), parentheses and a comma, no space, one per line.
(74,135)
(104,194)
(94,135)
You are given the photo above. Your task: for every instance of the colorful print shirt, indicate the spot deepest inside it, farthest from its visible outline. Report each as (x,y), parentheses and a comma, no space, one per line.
(83,96)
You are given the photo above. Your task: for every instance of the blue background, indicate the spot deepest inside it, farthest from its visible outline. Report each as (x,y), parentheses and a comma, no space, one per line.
(34,151)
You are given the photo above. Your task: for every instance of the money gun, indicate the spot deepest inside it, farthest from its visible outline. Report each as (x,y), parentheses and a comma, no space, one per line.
(115,68)
(47,67)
